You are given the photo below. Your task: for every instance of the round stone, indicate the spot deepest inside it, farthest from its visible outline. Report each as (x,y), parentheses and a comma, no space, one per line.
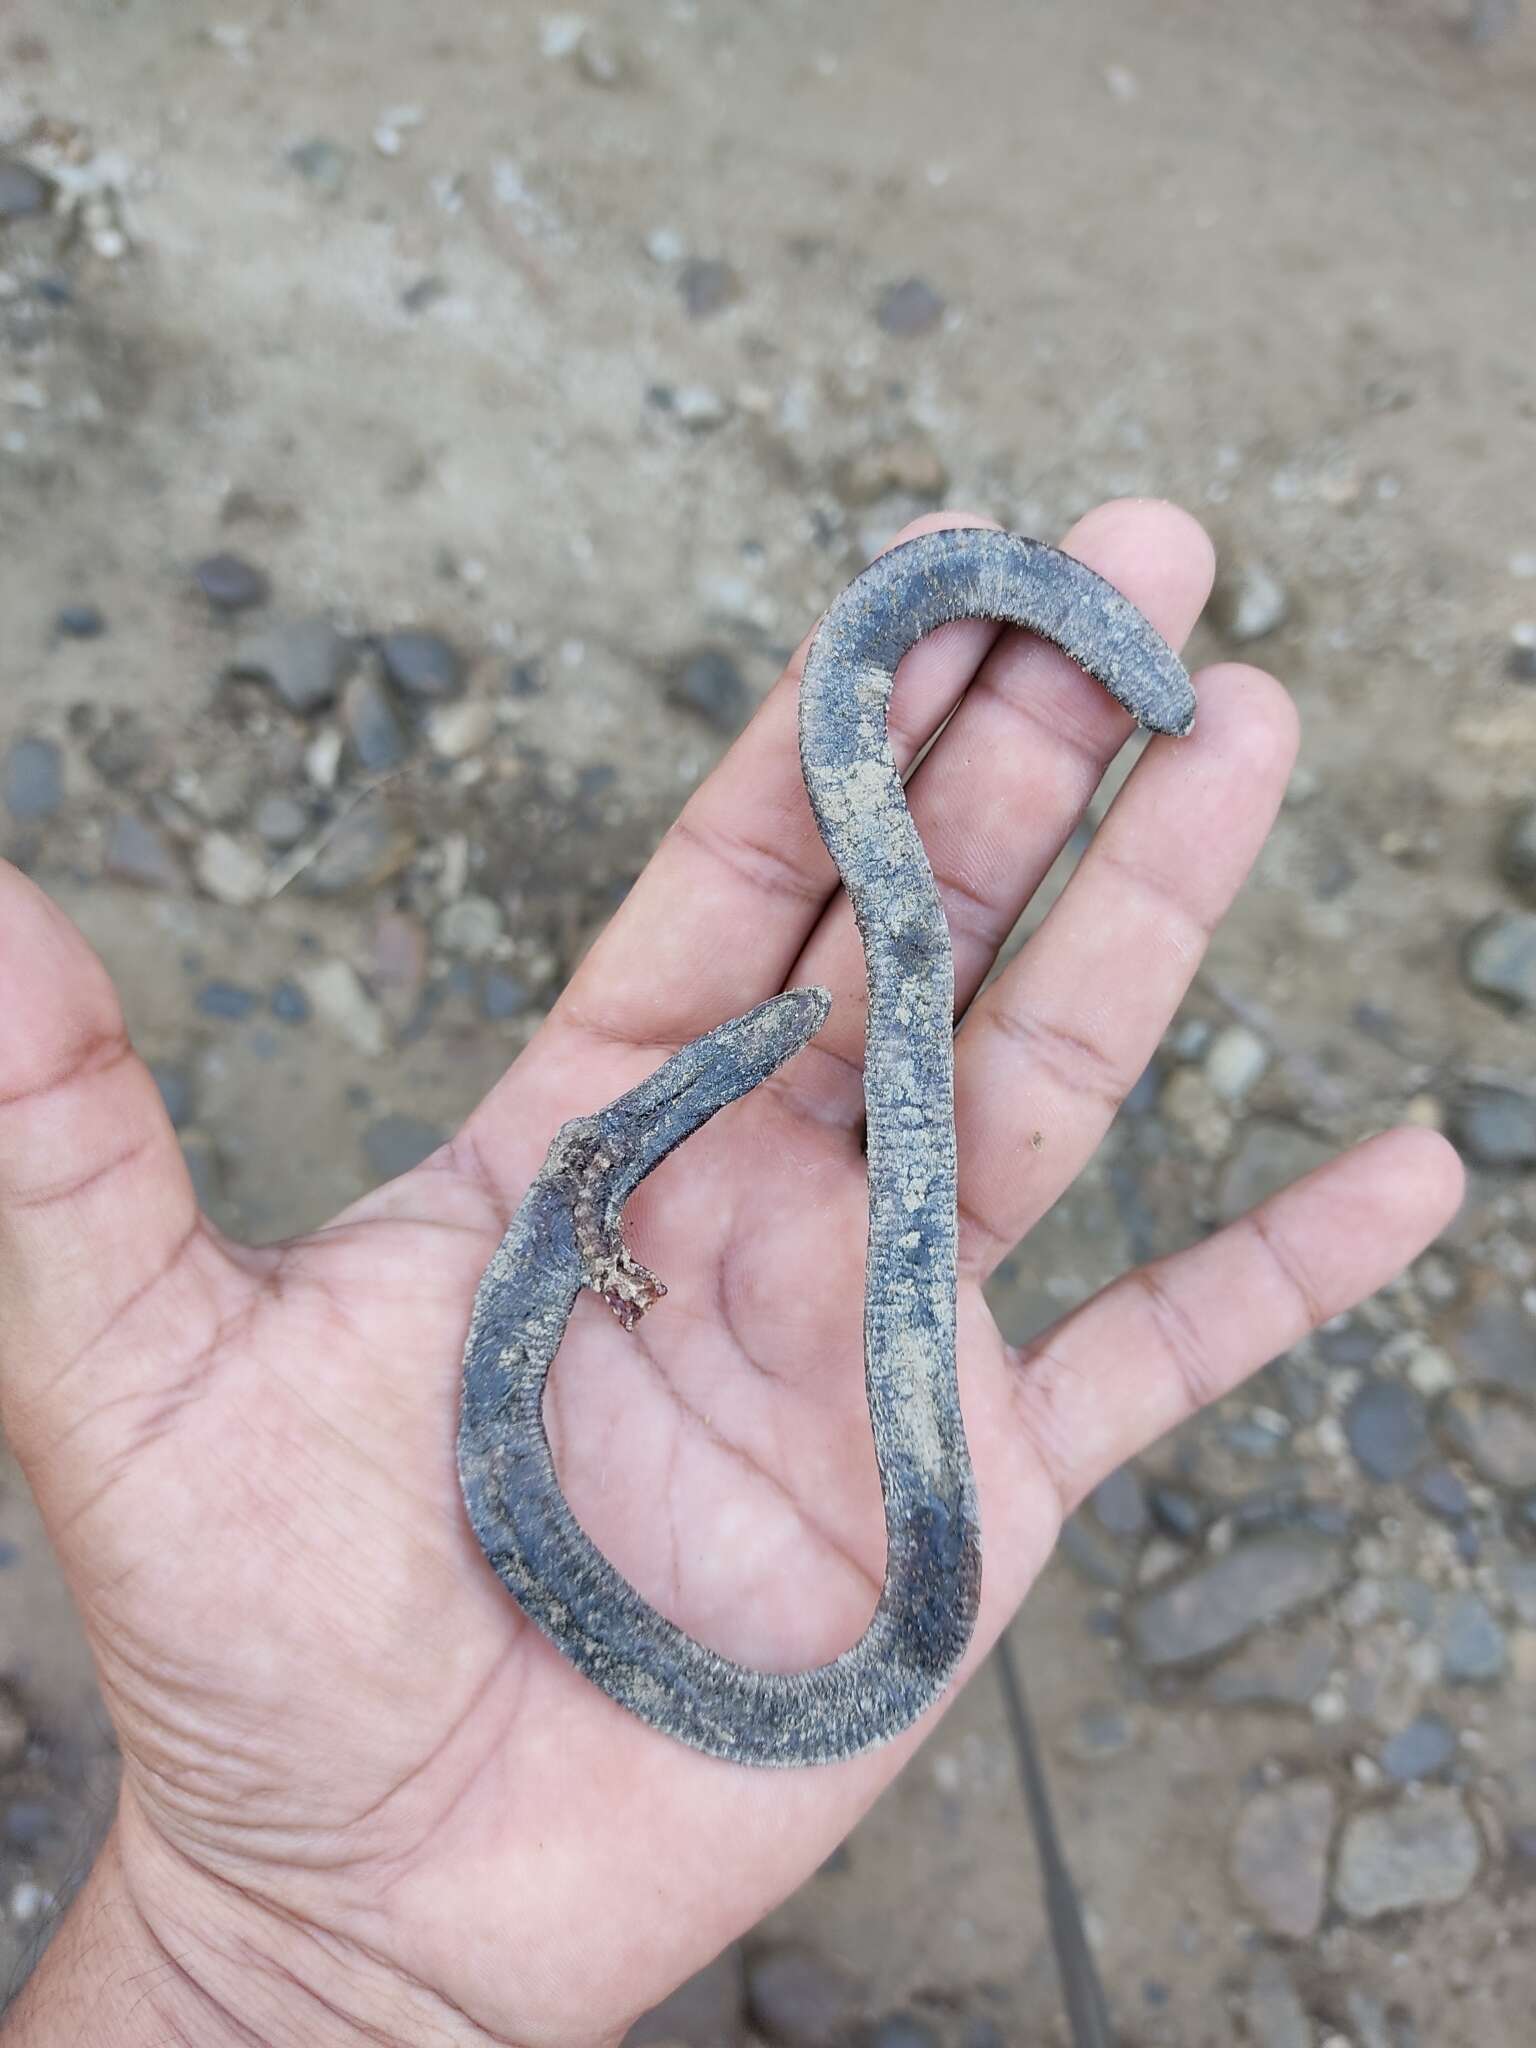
(1421,1750)
(1471,1643)
(709,683)
(909,308)
(32,780)
(422,664)
(1252,603)
(378,740)
(1423,1851)
(280,820)
(23,191)
(1388,1430)
(1120,1503)
(1517,855)
(1496,1126)
(305,662)
(80,622)
(471,927)
(1498,959)
(904,2030)
(1494,1429)
(1235,1062)
(1280,1856)
(800,1999)
(707,285)
(230,583)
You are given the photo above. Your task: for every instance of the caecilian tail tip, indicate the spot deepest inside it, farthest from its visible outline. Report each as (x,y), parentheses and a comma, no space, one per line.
(818,1006)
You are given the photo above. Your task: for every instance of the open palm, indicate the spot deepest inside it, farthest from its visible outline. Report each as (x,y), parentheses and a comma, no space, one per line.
(360,1791)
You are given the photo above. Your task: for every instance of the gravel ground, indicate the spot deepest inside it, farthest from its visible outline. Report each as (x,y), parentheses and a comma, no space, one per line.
(422,435)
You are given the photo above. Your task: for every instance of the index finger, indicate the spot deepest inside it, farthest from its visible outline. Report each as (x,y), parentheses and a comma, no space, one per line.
(722,911)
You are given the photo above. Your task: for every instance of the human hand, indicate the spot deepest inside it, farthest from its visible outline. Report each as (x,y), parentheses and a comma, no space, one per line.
(362,1797)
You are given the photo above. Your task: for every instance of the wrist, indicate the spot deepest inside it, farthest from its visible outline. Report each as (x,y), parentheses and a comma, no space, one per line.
(155,1951)
(105,1978)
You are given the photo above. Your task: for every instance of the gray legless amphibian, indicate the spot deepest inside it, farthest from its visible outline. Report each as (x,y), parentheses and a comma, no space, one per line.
(566,1235)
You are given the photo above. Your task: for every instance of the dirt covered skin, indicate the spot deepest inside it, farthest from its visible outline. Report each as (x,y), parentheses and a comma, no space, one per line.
(422,436)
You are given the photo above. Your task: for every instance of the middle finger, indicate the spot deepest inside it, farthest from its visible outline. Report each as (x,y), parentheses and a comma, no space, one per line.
(1006,784)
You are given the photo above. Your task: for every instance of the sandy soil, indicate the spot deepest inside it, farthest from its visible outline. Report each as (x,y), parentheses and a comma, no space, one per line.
(1274,262)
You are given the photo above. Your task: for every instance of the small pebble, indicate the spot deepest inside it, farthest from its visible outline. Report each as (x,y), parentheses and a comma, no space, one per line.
(135,852)
(709,682)
(340,1000)
(229,872)
(230,583)
(398,970)
(1423,1749)
(280,821)
(305,662)
(1495,1344)
(503,996)
(32,780)
(799,1999)
(1496,1126)
(13,1733)
(904,2030)
(1387,1427)
(699,407)
(908,464)
(456,731)
(1348,1344)
(396,1143)
(602,62)
(1470,1641)
(1494,1429)
(705,2012)
(367,848)
(1120,1503)
(909,308)
(1517,855)
(1178,1512)
(289,1003)
(1093,1554)
(1439,1490)
(23,191)
(664,246)
(1252,603)
(1273,2014)
(322,757)
(1235,1063)
(27,1901)
(1101,1730)
(472,927)
(1280,1856)
(422,664)
(80,622)
(1424,1851)
(707,286)
(378,740)
(28,1823)
(227,1000)
(323,165)
(124,751)
(1216,1606)
(1277,1669)
(1498,959)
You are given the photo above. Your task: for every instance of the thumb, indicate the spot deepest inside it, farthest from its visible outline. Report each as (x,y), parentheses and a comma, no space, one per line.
(98,1223)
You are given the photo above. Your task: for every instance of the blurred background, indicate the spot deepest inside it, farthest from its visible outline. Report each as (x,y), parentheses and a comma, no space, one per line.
(423,434)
